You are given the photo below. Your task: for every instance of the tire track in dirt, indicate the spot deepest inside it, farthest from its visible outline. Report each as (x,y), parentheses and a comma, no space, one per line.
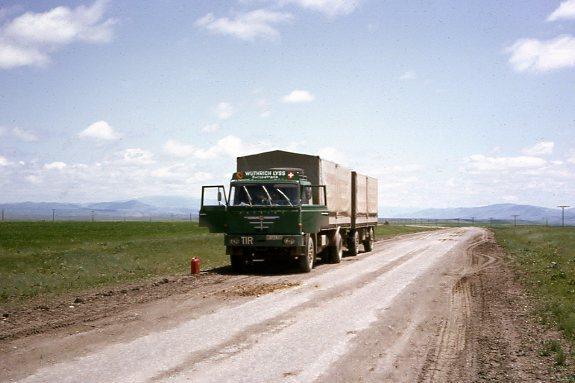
(455,342)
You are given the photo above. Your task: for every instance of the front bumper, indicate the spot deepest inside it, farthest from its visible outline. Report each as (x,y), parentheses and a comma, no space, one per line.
(264,240)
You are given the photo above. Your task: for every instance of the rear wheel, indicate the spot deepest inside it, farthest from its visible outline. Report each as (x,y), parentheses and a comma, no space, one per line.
(368,242)
(306,261)
(336,250)
(353,243)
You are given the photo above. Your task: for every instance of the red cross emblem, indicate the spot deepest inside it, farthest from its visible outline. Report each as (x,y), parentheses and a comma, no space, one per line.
(290,175)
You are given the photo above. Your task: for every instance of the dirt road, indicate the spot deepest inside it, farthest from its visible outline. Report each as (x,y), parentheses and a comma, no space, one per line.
(403,313)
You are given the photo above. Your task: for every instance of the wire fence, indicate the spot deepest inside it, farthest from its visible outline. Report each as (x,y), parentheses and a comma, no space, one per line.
(99,216)
(66,216)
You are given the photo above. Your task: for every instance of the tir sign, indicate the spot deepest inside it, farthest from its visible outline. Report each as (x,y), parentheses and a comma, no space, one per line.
(247,240)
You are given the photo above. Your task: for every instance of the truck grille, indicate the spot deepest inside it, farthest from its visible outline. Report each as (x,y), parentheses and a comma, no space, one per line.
(261,222)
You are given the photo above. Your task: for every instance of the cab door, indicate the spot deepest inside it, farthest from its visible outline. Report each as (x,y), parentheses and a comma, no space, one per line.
(213,211)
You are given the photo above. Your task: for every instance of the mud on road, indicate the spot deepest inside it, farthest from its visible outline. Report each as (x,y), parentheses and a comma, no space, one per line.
(438,306)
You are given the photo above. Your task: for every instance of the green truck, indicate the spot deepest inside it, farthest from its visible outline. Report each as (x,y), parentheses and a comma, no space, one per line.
(283,204)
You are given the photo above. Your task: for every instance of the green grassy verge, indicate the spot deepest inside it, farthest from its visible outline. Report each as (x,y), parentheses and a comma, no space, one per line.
(385,231)
(45,258)
(545,257)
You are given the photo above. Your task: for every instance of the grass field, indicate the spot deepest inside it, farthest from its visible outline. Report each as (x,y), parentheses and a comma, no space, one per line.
(386,231)
(38,258)
(545,257)
(45,258)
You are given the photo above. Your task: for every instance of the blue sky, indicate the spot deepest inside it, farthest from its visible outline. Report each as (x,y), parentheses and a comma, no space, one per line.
(447,103)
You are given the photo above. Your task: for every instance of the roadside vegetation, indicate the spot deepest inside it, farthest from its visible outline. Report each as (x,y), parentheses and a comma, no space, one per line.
(45,258)
(545,259)
(52,258)
(386,231)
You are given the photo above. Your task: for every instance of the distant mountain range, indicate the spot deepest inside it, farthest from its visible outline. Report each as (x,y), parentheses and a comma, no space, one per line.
(182,208)
(155,207)
(526,213)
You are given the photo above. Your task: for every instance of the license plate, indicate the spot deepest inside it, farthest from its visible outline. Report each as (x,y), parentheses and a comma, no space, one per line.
(247,240)
(273,237)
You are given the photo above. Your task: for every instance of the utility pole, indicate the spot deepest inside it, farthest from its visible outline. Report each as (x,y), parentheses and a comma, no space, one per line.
(490,221)
(515,219)
(93,213)
(473,220)
(53,215)
(563,214)
(2,215)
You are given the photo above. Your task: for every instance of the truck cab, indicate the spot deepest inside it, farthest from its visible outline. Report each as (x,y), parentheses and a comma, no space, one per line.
(267,214)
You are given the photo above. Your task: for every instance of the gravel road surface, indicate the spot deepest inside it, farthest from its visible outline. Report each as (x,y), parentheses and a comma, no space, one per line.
(397,314)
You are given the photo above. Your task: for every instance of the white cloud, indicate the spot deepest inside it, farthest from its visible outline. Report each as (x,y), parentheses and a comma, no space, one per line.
(12,56)
(3,161)
(200,177)
(58,165)
(224,110)
(33,179)
(179,149)
(100,130)
(332,154)
(24,135)
(246,26)
(264,106)
(481,163)
(298,96)
(532,55)
(210,128)
(571,158)
(181,172)
(539,149)
(138,156)
(330,8)
(566,10)
(395,169)
(230,146)
(408,75)
(29,39)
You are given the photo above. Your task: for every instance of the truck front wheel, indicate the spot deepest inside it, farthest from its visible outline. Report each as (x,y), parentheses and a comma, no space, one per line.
(237,262)
(306,260)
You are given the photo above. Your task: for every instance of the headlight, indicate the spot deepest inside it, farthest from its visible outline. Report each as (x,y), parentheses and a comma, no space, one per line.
(289,241)
(234,241)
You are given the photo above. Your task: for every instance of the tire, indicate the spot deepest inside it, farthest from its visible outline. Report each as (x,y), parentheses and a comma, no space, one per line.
(237,262)
(353,243)
(336,251)
(306,262)
(368,243)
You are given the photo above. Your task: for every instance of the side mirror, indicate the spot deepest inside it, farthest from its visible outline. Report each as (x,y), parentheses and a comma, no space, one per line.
(219,196)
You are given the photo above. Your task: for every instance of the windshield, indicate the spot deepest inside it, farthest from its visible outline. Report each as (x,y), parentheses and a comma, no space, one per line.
(265,195)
